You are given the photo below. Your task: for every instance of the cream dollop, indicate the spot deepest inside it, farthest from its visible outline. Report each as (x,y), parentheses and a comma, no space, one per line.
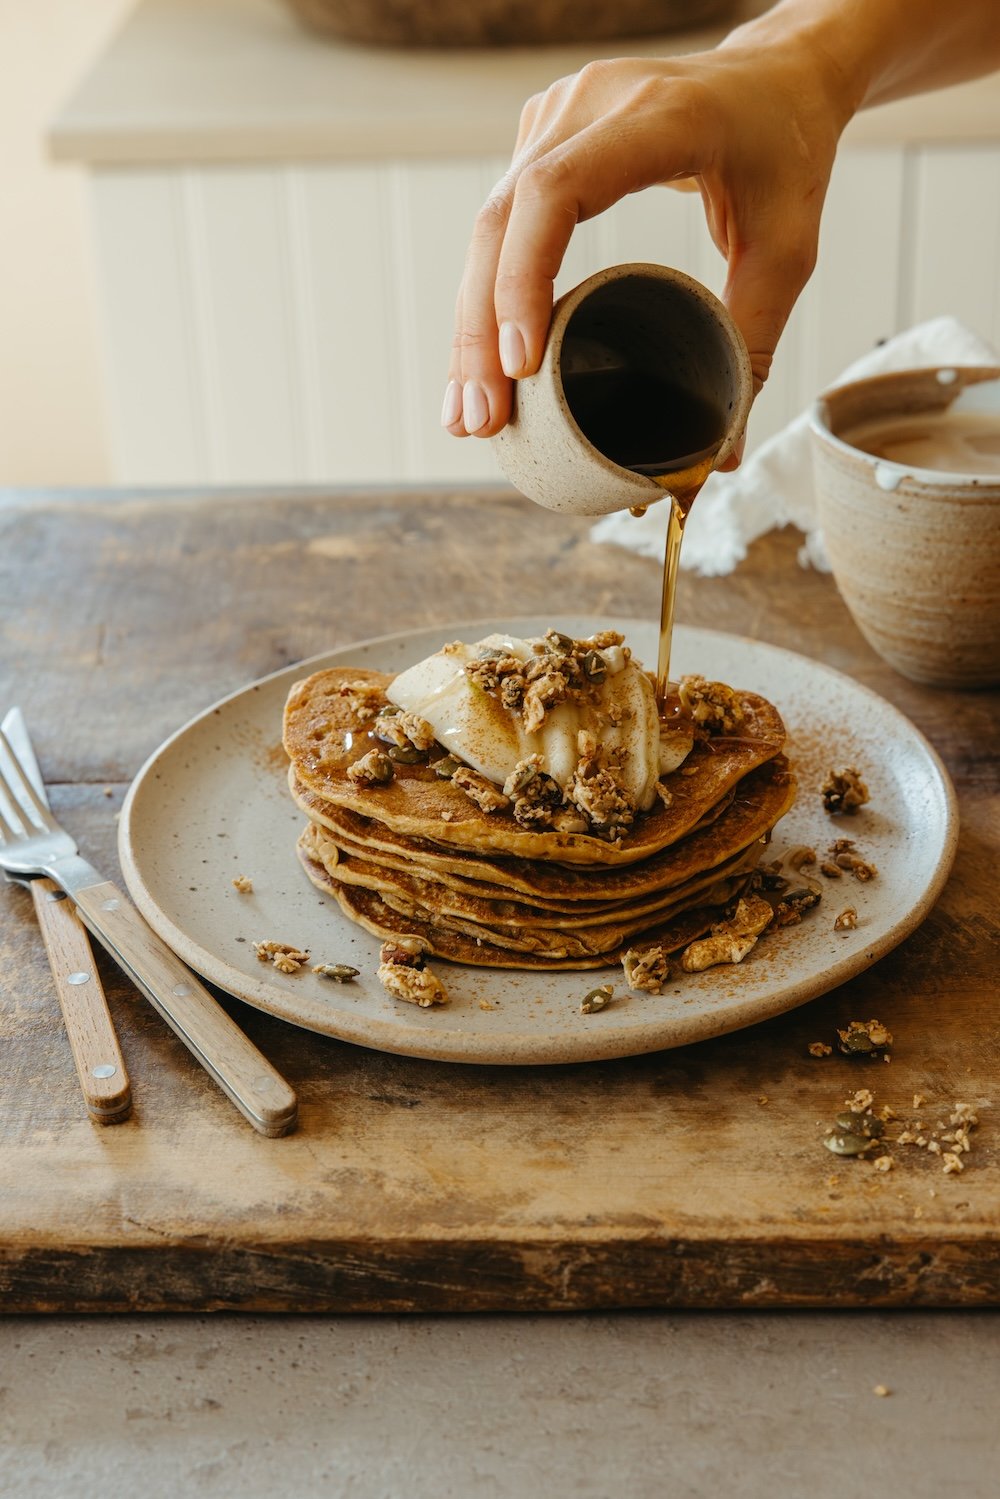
(620,712)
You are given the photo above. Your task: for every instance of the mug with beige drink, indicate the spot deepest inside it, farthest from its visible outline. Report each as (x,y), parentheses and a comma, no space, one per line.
(907,470)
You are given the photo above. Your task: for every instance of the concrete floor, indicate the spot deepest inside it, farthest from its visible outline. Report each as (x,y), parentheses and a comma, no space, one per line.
(683,1406)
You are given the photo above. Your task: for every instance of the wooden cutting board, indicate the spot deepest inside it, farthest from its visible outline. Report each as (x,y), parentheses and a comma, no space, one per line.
(695,1177)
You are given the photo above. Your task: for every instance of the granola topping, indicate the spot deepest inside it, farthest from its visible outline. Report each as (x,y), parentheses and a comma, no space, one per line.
(373,769)
(487,797)
(504,701)
(283,956)
(712,705)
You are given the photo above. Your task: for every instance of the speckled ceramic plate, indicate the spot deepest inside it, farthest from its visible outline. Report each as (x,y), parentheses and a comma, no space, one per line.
(212,803)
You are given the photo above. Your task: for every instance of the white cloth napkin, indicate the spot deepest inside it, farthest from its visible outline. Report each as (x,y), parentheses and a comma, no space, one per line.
(774,487)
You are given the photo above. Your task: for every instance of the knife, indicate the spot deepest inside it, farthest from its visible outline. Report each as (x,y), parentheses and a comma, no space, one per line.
(100,1066)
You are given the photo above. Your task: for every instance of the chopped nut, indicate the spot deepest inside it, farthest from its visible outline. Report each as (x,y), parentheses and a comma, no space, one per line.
(860,1101)
(797,857)
(373,769)
(883,1163)
(819,1049)
(846,921)
(487,797)
(951,1163)
(646,968)
(832,871)
(712,705)
(244,884)
(364,699)
(844,791)
(730,940)
(282,955)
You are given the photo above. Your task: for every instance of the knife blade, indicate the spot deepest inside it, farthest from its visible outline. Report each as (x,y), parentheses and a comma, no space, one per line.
(100,1066)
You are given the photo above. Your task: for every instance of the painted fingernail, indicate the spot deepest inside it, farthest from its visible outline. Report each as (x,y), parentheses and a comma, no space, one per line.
(513,354)
(451,411)
(475,406)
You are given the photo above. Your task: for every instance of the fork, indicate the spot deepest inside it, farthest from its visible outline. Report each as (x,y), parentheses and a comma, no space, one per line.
(32,843)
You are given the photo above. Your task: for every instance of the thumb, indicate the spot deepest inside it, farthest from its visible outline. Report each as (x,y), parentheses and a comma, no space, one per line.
(762,286)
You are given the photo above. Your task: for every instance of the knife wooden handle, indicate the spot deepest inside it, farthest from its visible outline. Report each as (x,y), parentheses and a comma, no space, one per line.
(256,1088)
(99,1062)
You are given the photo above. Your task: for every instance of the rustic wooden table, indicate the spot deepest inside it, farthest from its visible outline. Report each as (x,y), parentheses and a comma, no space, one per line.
(658,1181)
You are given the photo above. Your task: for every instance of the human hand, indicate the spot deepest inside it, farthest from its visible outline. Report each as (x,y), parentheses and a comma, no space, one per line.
(754,125)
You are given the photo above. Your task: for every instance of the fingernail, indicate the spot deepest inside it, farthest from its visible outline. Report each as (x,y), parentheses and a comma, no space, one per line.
(475,406)
(452,408)
(513,355)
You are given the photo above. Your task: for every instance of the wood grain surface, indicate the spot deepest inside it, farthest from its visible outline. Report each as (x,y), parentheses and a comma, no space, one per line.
(694,1177)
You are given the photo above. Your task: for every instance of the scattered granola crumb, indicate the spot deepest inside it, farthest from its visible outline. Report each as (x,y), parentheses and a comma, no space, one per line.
(918,1099)
(402,973)
(860,1101)
(819,1049)
(763,1099)
(731,940)
(244,884)
(801,855)
(881,1390)
(846,921)
(832,871)
(863,1037)
(109,791)
(951,1162)
(283,956)
(844,791)
(485,1004)
(883,1163)
(646,968)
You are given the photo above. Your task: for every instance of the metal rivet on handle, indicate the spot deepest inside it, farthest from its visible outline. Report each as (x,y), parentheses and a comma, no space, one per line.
(180,990)
(78,978)
(110,905)
(106,1069)
(262,1083)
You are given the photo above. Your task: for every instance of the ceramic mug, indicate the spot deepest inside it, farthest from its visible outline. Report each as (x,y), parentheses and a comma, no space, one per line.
(643,369)
(915,551)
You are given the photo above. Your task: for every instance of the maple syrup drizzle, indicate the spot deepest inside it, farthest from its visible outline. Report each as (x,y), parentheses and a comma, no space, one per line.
(682,490)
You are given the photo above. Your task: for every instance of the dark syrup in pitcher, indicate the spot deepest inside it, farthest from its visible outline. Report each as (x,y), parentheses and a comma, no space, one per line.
(650,425)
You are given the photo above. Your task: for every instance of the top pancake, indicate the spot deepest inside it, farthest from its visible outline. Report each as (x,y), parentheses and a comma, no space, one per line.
(419,804)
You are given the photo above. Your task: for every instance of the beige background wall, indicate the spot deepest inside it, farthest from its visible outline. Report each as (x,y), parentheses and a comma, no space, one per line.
(51,419)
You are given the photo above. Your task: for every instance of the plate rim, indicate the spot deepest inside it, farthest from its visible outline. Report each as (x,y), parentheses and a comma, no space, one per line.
(446,1043)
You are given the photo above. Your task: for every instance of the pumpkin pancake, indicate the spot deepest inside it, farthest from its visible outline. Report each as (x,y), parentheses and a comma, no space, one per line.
(750,811)
(368,909)
(327,727)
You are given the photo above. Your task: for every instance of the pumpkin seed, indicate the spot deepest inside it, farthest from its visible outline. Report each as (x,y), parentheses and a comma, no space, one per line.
(341,973)
(847,1144)
(405,754)
(868,1126)
(597,999)
(595,668)
(446,767)
(559,644)
(521,779)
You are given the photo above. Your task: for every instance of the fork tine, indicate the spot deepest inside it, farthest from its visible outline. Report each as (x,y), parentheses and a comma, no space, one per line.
(43,817)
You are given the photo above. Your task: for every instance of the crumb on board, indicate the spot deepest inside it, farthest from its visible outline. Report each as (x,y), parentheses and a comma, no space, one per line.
(881,1390)
(819,1049)
(244,884)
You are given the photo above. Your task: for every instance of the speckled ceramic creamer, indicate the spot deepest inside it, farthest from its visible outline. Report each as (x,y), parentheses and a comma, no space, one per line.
(647,319)
(915,551)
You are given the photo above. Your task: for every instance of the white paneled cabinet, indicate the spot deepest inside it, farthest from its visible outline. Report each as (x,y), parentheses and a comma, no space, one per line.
(291,322)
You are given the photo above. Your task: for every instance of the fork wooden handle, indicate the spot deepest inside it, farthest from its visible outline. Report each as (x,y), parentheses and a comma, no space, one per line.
(100,1066)
(256,1088)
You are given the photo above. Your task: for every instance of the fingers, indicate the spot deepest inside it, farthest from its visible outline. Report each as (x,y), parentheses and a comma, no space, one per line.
(762,287)
(478,396)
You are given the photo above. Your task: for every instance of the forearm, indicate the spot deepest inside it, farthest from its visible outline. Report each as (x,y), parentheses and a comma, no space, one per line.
(865,52)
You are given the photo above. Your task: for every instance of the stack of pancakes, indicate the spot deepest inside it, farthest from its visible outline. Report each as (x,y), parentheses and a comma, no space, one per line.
(417,857)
